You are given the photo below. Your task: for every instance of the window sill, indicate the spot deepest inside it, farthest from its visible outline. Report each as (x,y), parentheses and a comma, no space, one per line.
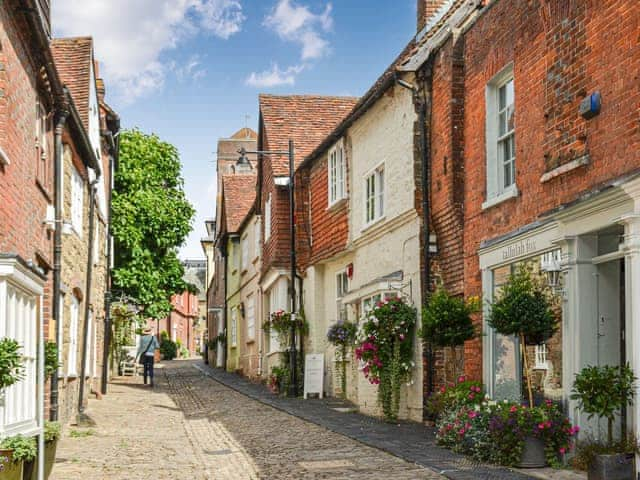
(250,342)
(372,224)
(337,204)
(511,192)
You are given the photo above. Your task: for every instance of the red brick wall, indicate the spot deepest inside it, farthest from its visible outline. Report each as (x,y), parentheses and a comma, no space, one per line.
(561,50)
(426,9)
(328,227)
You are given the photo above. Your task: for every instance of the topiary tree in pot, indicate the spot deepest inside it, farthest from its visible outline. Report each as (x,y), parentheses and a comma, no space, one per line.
(525,308)
(447,322)
(602,392)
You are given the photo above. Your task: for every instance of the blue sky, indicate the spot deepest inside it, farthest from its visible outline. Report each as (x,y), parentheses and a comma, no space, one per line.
(191,70)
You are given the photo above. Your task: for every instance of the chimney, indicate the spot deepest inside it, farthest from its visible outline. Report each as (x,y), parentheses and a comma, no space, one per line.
(427,10)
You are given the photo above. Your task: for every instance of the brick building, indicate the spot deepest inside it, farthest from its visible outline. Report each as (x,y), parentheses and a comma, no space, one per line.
(227,156)
(85,189)
(181,321)
(534,157)
(306,120)
(31,96)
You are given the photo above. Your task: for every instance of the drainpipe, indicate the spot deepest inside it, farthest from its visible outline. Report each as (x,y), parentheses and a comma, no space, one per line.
(224,312)
(57,252)
(293,383)
(85,333)
(425,115)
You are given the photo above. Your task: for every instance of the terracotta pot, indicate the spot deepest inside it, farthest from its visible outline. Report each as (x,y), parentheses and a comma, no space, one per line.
(10,470)
(612,467)
(533,453)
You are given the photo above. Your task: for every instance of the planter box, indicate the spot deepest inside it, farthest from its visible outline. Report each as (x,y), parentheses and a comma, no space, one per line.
(9,469)
(612,467)
(49,459)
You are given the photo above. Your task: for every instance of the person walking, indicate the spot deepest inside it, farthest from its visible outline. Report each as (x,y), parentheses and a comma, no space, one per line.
(146,353)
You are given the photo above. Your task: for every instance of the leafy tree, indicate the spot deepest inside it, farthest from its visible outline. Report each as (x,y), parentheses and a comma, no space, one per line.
(151,219)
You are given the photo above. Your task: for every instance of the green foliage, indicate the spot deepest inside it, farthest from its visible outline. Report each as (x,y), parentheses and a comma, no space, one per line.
(51,363)
(168,349)
(446,320)
(184,352)
(387,351)
(282,322)
(587,450)
(52,431)
(524,307)
(602,391)
(151,218)
(24,448)
(278,380)
(164,335)
(11,365)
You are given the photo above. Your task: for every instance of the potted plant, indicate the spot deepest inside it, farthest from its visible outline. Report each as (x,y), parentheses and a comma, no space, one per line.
(386,348)
(11,365)
(602,391)
(525,308)
(23,452)
(341,335)
(51,435)
(447,322)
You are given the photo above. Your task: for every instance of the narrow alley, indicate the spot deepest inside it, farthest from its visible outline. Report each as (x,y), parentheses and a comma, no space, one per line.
(192,427)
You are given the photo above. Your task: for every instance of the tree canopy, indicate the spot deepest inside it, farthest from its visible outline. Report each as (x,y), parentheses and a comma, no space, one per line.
(151,218)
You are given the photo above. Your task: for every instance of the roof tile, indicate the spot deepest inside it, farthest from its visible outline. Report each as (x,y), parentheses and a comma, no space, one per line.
(239,192)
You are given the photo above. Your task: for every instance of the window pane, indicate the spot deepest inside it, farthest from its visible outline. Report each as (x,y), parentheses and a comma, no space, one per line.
(508,87)
(380,193)
(502,123)
(502,97)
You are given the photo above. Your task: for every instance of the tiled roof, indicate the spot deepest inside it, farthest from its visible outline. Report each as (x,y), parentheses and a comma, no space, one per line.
(305,119)
(245,133)
(239,193)
(73,57)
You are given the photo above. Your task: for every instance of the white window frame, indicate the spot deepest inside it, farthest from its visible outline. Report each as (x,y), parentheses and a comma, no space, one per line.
(234,327)
(374,186)
(370,301)
(342,284)
(88,361)
(61,335)
(256,239)
(541,360)
(77,201)
(251,317)
(72,354)
(20,294)
(235,255)
(96,244)
(336,174)
(244,242)
(267,218)
(277,301)
(497,191)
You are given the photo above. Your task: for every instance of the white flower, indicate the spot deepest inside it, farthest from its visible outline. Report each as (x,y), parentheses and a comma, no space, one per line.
(477,408)
(413,364)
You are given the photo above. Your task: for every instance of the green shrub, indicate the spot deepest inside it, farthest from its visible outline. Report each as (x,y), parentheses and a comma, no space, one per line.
(601,391)
(11,365)
(24,448)
(51,363)
(452,398)
(52,431)
(446,320)
(168,349)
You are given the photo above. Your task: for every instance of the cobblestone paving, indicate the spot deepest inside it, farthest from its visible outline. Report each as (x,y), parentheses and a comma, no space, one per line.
(191,427)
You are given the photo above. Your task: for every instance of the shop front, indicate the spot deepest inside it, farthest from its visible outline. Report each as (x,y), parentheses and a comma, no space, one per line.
(589,254)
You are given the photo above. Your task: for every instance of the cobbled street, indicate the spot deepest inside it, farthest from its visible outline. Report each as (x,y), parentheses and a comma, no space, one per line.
(191,427)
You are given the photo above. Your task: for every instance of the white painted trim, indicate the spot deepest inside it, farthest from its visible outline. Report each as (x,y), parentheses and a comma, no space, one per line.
(511,192)
(4,158)
(21,276)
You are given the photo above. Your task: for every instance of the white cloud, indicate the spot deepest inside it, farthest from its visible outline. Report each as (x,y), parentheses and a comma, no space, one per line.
(296,23)
(190,70)
(274,77)
(130,37)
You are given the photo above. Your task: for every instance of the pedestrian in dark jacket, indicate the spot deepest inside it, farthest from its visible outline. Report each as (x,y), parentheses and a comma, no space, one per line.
(146,353)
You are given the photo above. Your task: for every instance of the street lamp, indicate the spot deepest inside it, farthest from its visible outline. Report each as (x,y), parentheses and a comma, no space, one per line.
(242,161)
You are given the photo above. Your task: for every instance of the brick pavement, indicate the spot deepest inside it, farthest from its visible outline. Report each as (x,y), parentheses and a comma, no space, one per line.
(191,427)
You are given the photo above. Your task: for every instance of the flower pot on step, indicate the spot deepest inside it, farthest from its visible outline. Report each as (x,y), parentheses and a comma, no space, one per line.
(612,467)
(533,453)
(9,470)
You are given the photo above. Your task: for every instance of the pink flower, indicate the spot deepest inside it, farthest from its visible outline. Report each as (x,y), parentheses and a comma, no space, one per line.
(461,378)
(562,450)
(461,431)
(473,414)
(401,336)
(576,429)
(513,409)
(443,389)
(541,426)
(472,396)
